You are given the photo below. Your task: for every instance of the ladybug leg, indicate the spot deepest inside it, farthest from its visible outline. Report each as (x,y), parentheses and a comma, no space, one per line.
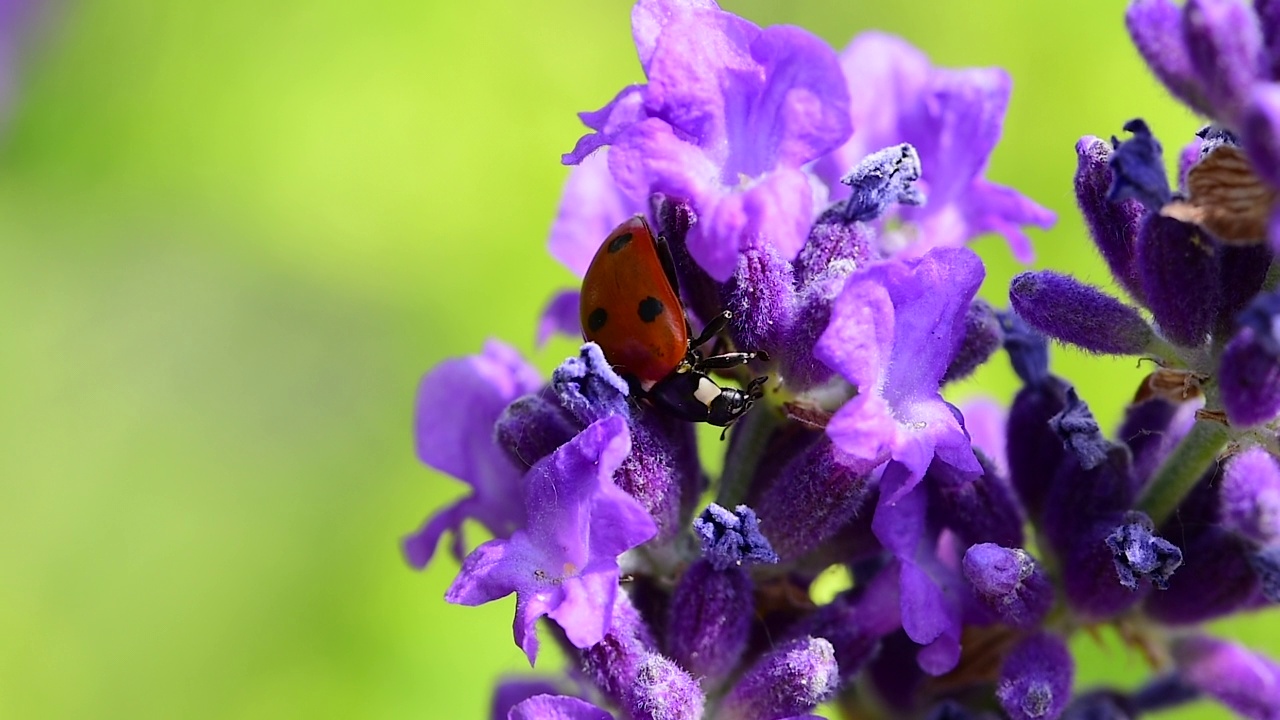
(713,328)
(730,360)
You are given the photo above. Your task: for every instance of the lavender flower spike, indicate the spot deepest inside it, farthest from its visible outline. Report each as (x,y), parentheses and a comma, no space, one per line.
(1068,310)
(565,563)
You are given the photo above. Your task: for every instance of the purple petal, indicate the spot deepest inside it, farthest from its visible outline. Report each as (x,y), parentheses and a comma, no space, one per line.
(565,562)
(650,17)
(954,119)
(458,404)
(557,707)
(591,206)
(987,421)
(626,108)
(560,316)
(515,690)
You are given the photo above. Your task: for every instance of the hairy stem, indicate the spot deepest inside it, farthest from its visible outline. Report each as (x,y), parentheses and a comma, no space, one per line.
(1182,469)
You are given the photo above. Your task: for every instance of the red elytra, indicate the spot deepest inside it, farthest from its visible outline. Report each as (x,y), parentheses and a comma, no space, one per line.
(630,308)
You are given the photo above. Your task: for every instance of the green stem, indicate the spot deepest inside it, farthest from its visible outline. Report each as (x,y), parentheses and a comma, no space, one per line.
(750,436)
(1183,469)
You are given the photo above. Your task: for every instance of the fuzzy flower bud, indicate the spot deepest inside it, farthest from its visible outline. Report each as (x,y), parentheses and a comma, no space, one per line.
(710,620)
(1010,582)
(1112,225)
(1250,370)
(1179,271)
(1035,681)
(790,680)
(1068,310)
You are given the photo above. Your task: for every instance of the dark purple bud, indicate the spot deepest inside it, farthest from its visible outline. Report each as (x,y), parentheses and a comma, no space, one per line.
(1224,43)
(883,178)
(710,620)
(896,675)
(1180,275)
(1035,451)
(1035,681)
(1113,225)
(731,539)
(1242,270)
(1266,565)
(833,251)
(789,680)
(611,664)
(1249,373)
(1068,310)
(1163,693)
(982,337)
(833,242)
(660,690)
(761,295)
(1081,509)
(813,496)
(663,471)
(1028,350)
(1215,579)
(1080,433)
(978,509)
(855,622)
(1010,582)
(1137,168)
(513,691)
(589,388)
(1261,129)
(1244,681)
(1250,496)
(1100,705)
(1140,553)
(531,428)
(1156,29)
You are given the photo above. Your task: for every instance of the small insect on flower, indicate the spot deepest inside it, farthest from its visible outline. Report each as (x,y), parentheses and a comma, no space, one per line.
(631,308)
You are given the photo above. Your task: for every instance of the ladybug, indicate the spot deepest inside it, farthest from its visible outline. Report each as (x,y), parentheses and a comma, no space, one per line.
(631,309)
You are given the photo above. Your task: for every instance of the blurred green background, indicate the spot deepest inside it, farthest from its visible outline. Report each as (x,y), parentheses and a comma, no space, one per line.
(233,236)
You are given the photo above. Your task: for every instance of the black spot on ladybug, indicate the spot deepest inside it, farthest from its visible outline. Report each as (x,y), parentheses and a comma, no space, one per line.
(596,319)
(650,309)
(619,242)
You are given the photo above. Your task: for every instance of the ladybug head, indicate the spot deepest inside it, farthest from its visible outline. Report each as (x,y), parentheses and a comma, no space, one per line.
(732,403)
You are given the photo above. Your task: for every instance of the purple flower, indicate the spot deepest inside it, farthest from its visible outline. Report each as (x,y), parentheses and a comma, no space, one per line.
(953,118)
(458,404)
(730,115)
(564,564)
(893,332)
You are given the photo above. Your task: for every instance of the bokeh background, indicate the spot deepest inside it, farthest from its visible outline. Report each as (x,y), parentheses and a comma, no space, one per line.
(233,236)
